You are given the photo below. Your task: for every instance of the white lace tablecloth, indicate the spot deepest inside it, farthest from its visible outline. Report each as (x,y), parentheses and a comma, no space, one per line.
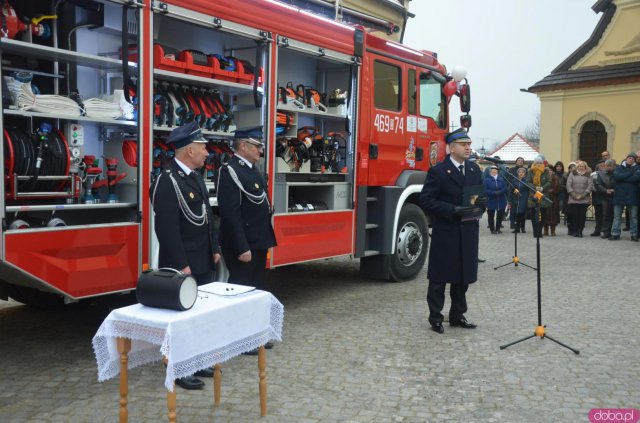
(214,330)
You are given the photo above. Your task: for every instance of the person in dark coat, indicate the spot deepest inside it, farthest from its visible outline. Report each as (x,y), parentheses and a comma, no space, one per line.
(605,185)
(596,199)
(496,189)
(453,256)
(184,222)
(518,199)
(514,171)
(552,216)
(626,178)
(246,233)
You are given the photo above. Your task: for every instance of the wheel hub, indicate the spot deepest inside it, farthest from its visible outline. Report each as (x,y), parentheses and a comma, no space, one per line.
(409,244)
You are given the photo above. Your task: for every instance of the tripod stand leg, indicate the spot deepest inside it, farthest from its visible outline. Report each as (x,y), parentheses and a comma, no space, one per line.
(503,265)
(560,343)
(526,265)
(502,347)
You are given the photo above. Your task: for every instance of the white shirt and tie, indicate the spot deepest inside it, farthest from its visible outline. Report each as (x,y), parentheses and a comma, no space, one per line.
(460,166)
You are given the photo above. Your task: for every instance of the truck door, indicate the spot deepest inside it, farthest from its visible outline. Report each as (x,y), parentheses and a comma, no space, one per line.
(386,144)
(432,119)
(415,138)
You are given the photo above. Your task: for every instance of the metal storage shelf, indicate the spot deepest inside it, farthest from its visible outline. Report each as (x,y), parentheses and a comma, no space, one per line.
(41,52)
(308,112)
(223,86)
(68,117)
(60,207)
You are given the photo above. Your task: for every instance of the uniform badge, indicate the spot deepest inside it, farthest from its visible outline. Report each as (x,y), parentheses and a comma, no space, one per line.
(257,186)
(191,195)
(241,163)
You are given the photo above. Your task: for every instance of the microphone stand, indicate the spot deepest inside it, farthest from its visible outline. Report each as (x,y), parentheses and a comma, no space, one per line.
(540,329)
(515,260)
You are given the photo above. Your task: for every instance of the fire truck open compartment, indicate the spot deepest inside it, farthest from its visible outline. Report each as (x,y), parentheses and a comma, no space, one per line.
(314,172)
(211,61)
(70,197)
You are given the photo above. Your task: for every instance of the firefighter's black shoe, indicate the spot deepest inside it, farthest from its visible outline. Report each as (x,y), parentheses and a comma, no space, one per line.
(190,382)
(462,323)
(437,327)
(208,372)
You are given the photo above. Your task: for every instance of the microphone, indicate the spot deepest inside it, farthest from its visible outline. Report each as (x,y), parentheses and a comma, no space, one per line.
(490,159)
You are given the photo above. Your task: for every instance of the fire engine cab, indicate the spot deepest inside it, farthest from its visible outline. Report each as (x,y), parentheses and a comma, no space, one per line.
(92,88)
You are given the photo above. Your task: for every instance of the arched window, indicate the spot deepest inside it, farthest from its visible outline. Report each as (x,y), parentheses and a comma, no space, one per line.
(593,141)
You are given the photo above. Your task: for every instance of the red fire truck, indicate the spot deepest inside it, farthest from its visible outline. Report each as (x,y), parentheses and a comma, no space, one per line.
(353,122)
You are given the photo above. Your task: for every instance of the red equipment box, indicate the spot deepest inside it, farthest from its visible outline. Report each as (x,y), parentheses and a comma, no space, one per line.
(219,72)
(245,77)
(165,60)
(197,63)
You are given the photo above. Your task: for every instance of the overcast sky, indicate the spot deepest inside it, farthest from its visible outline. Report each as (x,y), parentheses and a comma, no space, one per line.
(505,45)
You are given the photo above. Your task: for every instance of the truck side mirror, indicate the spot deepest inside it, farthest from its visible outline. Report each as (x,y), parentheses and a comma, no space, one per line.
(465,98)
(465,121)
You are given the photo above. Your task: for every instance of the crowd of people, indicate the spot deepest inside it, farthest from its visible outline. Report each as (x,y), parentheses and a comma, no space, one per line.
(612,189)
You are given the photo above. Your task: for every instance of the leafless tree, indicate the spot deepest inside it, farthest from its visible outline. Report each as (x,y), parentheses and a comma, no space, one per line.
(532,131)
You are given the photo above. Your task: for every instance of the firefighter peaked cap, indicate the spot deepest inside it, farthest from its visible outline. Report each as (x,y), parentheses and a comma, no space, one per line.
(185,135)
(251,135)
(459,135)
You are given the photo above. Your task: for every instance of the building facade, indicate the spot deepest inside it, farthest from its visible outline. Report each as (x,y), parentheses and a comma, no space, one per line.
(591,101)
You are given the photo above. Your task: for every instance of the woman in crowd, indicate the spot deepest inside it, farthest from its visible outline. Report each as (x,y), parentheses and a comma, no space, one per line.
(539,178)
(562,194)
(579,187)
(552,217)
(566,209)
(496,189)
(518,197)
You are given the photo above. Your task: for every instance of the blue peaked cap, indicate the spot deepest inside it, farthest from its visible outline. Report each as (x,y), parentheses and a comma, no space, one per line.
(459,135)
(185,135)
(253,135)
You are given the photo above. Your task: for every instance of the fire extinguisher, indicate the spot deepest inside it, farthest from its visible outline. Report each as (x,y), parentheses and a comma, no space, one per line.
(12,25)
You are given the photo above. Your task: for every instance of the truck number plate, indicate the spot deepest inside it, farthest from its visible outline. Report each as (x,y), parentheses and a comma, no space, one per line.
(386,123)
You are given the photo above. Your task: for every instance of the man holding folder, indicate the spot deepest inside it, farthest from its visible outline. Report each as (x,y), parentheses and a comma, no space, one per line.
(454,198)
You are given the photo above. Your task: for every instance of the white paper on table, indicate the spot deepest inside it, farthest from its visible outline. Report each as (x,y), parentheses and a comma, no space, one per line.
(225,289)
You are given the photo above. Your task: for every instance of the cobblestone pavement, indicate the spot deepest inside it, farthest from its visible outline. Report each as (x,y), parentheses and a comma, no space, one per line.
(357,350)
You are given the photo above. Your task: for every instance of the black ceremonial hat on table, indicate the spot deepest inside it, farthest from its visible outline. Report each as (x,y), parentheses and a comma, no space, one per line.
(167,288)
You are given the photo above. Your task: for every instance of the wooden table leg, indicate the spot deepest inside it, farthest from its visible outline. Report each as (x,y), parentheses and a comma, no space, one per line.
(262,364)
(171,400)
(124,346)
(217,382)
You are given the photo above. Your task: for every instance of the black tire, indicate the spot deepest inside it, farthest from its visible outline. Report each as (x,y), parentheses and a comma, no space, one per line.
(411,244)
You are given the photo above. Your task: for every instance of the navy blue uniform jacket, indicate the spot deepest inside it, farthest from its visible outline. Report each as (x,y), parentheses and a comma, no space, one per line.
(244,226)
(453,256)
(182,243)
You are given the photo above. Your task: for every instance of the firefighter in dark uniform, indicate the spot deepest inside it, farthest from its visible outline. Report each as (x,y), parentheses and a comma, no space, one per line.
(246,233)
(453,256)
(184,222)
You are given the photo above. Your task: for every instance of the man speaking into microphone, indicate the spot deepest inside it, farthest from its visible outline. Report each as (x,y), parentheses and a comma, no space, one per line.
(453,196)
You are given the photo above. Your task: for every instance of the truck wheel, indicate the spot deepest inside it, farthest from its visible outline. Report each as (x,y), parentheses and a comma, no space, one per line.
(411,244)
